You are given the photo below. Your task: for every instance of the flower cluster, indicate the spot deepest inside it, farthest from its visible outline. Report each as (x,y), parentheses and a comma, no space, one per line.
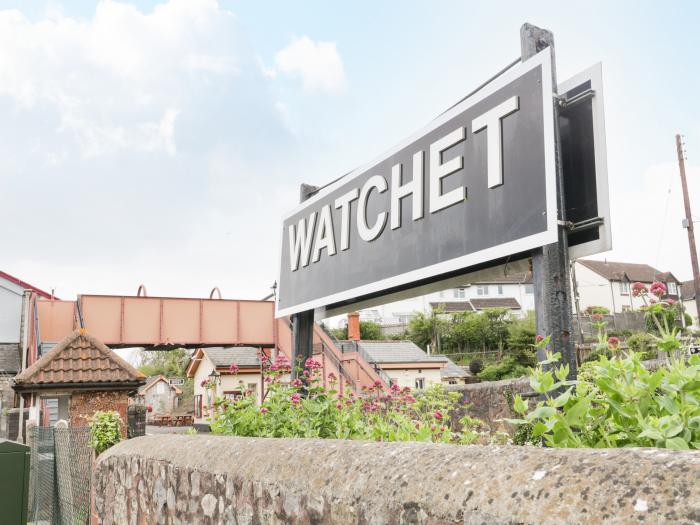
(658,289)
(639,289)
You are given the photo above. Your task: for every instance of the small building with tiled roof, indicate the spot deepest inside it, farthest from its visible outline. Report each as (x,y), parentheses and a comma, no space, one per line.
(399,362)
(485,303)
(78,377)
(159,394)
(210,369)
(609,284)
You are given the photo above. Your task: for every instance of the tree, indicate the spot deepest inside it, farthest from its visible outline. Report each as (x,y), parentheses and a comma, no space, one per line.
(369,331)
(170,363)
(427,329)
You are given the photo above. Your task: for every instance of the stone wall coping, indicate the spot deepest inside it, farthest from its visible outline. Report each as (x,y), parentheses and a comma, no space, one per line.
(337,481)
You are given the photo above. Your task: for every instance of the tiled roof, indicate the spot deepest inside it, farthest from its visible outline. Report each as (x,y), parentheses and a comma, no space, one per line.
(79,359)
(451,369)
(515,278)
(9,359)
(496,302)
(397,352)
(617,271)
(449,307)
(687,290)
(151,381)
(25,285)
(239,355)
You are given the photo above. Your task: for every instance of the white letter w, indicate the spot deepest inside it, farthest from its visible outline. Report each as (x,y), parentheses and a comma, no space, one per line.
(300,245)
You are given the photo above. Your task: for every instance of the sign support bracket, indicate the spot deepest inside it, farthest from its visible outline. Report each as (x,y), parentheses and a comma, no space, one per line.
(550,264)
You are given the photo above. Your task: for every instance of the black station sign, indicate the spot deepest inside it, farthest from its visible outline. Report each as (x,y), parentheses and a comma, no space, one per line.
(474,186)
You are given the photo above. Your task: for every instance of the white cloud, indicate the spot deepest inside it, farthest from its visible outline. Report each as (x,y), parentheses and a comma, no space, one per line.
(113,80)
(317,64)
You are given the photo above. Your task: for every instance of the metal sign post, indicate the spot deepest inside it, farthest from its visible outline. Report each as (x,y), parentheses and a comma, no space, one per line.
(550,264)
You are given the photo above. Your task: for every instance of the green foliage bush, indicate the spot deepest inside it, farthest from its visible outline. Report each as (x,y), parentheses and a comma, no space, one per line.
(105,430)
(292,409)
(644,344)
(476,366)
(369,331)
(507,368)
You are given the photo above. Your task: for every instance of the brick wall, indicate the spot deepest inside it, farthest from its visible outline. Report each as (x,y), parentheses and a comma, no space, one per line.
(84,404)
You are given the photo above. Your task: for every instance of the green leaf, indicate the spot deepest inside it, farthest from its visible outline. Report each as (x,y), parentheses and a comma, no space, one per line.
(519,404)
(562,399)
(576,414)
(677,443)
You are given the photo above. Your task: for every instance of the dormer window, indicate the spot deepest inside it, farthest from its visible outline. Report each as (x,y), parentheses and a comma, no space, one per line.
(624,287)
(672,288)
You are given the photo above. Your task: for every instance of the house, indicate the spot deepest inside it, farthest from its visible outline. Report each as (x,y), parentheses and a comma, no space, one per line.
(210,368)
(452,374)
(609,284)
(76,378)
(12,292)
(400,362)
(160,394)
(688,299)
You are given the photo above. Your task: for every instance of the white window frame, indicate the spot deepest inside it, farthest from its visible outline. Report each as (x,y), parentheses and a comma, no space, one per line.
(624,287)
(675,288)
(420,383)
(460,293)
(500,289)
(482,290)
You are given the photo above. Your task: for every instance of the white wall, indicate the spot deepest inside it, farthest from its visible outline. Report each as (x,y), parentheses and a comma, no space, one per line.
(691,308)
(407,377)
(10,311)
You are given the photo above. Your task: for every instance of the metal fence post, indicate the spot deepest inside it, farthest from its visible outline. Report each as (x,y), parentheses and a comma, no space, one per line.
(550,264)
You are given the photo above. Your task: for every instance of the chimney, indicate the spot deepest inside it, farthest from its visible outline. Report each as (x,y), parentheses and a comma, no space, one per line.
(354,326)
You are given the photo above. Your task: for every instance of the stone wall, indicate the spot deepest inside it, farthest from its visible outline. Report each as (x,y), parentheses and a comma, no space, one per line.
(208,479)
(84,404)
(489,402)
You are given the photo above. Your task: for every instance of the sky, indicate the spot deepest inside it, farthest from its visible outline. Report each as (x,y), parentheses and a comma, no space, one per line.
(160,143)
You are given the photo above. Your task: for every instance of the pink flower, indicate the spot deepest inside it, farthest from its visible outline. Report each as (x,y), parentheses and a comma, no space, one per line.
(613,342)
(437,414)
(305,373)
(377,383)
(268,379)
(332,377)
(233,368)
(658,288)
(395,387)
(338,406)
(638,289)
(312,364)
(539,339)
(670,302)
(297,382)
(597,317)
(263,410)
(295,398)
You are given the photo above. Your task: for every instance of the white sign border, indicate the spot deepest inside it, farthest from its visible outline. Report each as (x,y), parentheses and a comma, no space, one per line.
(543,59)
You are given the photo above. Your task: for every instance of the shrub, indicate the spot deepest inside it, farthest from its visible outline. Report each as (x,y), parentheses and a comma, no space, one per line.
(644,344)
(105,430)
(507,368)
(596,310)
(522,332)
(476,366)
(616,402)
(307,409)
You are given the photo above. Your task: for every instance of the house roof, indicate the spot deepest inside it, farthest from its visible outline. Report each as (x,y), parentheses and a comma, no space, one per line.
(496,302)
(617,271)
(241,356)
(397,352)
(153,380)
(451,369)
(79,360)
(450,307)
(25,285)
(515,278)
(688,290)
(10,359)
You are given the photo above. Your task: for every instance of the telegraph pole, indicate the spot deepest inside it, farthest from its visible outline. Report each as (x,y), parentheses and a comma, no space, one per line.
(689,223)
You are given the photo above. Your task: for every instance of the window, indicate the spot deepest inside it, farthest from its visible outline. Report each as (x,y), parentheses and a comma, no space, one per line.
(529,289)
(252,389)
(232,395)
(459,293)
(420,383)
(452,381)
(160,388)
(482,289)
(500,289)
(624,287)
(672,288)
(198,406)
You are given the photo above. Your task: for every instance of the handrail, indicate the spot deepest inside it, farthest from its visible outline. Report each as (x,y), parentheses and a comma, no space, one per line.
(142,288)
(215,289)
